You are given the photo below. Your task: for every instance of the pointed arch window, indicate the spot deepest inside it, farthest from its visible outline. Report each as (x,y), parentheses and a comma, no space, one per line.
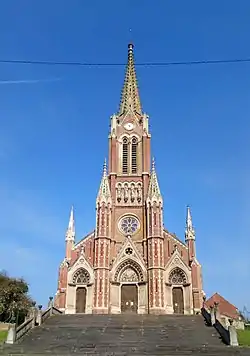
(125,155)
(134,155)
(81,276)
(177,276)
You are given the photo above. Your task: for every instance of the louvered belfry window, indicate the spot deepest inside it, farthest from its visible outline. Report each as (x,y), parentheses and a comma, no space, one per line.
(125,155)
(134,155)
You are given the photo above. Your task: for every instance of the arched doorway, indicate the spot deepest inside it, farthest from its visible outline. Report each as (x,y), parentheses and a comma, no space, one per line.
(128,274)
(178,302)
(81,300)
(177,279)
(81,279)
(129,298)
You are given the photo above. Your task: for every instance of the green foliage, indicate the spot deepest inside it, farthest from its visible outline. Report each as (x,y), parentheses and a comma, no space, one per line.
(3,335)
(14,299)
(244,337)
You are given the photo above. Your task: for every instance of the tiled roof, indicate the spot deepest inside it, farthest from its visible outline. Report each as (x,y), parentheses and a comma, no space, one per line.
(225,308)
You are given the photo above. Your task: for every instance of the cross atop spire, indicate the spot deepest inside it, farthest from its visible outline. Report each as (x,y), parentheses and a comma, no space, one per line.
(130,94)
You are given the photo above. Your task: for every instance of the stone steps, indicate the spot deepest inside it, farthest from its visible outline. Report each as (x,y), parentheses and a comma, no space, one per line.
(123,335)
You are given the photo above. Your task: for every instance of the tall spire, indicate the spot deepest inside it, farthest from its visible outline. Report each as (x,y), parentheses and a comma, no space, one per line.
(70,234)
(104,194)
(130,93)
(154,193)
(189,232)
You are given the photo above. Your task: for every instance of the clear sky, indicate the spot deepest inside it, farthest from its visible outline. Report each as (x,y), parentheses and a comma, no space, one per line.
(53,132)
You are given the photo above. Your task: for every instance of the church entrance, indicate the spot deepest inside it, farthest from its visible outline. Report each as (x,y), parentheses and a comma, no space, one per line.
(129,298)
(81,300)
(178,301)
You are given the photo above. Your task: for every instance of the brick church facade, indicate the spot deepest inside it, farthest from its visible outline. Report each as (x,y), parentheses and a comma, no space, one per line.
(130,262)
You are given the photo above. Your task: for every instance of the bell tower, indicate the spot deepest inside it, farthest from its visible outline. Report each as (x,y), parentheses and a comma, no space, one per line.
(129,159)
(131,208)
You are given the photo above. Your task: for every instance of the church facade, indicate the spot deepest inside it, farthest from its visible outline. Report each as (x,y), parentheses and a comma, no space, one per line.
(130,263)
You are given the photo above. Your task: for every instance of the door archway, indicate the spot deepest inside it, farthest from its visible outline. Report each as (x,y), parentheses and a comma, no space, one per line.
(81,300)
(129,274)
(178,300)
(177,279)
(81,278)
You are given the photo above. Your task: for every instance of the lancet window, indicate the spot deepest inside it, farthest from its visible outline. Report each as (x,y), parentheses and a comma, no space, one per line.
(125,155)
(134,148)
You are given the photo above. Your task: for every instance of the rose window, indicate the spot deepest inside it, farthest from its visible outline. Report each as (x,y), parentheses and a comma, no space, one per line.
(129,225)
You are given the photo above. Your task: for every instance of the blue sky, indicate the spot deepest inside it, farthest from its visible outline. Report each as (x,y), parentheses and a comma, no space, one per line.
(53,136)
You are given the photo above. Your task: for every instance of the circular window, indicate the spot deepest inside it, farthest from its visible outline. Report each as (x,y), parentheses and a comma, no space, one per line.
(128,225)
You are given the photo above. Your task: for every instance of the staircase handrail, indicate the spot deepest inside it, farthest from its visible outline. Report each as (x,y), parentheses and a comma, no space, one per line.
(211,315)
(36,318)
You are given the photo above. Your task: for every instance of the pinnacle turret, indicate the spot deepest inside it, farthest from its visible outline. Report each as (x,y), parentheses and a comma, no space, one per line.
(70,234)
(130,94)
(154,193)
(104,194)
(189,232)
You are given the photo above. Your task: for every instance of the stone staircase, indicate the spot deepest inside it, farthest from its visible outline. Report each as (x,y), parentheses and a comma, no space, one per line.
(122,335)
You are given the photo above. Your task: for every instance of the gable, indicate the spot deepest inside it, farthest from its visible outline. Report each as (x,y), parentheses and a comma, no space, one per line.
(176,261)
(80,263)
(128,252)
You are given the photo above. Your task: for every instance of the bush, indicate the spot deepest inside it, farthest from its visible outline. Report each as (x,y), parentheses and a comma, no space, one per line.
(14,299)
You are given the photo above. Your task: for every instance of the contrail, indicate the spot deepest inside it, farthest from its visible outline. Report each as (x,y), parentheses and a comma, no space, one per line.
(28,81)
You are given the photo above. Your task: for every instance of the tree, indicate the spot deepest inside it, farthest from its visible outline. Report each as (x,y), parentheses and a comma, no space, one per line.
(14,299)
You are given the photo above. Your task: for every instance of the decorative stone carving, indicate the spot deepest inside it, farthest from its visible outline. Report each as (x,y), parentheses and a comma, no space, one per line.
(129,275)
(139,192)
(119,192)
(126,192)
(129,193)
(176,261)
(132,193)
(129,264)
(81,276)
(129,251)
(177,276)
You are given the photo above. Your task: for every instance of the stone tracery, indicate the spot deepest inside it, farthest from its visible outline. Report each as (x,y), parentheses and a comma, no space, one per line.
(81,276)
(177,276)
(129,271)
(129,275)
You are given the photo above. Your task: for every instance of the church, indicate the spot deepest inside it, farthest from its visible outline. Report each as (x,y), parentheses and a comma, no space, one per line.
(130,262)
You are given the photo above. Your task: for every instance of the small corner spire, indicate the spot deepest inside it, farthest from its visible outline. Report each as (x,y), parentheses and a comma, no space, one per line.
(190,232)
(154,193)
(104,194)
(71,226)
(130,94)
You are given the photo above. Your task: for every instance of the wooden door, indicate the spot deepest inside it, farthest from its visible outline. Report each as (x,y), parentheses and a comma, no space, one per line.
(129,298)
(80,300)
(178,302)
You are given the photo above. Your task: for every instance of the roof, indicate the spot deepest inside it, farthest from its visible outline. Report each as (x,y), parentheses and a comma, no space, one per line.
(224,306)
